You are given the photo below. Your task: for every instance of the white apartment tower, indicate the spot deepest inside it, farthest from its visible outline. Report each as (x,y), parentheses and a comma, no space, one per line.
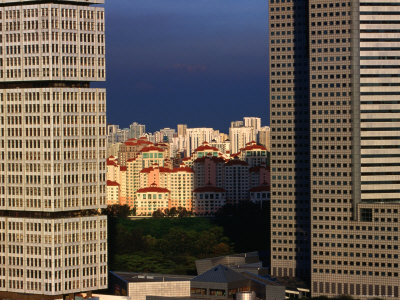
(53,241)
(252,122)
(240,136)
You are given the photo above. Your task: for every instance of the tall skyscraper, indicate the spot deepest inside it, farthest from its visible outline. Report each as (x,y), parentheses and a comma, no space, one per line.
(53,241)
(335,99)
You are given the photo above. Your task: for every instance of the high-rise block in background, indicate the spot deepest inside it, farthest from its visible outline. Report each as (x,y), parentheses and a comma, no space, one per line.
(335,132)
(53,241)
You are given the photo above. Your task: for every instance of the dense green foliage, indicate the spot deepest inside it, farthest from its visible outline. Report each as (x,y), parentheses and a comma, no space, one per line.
(171,245)
(119,211)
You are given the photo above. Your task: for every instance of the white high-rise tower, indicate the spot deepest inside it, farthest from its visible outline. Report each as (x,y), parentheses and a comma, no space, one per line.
(53,241)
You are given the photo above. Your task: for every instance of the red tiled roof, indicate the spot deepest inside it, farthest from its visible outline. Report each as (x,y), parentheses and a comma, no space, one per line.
(153,189)
(152,148)
(131,160)
(212,189)
(236,162)
(186,159)
(183,169)
(261,188)
(123,168)
(253,147)
(111,157)
(205,148)
(135,142)
(111,163)
(112,183)
(162,170)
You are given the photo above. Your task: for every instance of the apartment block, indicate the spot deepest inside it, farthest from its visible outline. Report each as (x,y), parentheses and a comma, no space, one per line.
(53,148)
(190,184)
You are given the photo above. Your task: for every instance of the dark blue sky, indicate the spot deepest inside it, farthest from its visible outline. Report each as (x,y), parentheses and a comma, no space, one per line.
(199,62)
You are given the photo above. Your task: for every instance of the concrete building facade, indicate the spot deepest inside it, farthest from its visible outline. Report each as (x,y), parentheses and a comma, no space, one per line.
(334,131)
(53,148)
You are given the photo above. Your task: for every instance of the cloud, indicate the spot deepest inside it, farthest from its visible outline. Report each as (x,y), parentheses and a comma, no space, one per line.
(190,68)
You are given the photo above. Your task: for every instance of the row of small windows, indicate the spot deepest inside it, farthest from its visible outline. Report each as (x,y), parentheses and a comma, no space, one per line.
(34,13)
(331,5)
(331,14)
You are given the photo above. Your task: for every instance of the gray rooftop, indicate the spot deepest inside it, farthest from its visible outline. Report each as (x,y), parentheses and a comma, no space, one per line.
(220,274)
(149,277)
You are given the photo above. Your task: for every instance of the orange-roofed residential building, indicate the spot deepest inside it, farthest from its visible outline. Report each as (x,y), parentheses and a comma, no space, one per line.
(209,194)
(122,185)
(153,155)
(155,175)
(208,200)
(178,181)
(236,181)
(112,169)
(255,155)
(208,168)
(151,199)
(260,194)
(167,149)
(207,149)
(181,187)
(117,173)
(204,150)
(209,171)
(112,192)
(133,167)
(131,149)
(146,158)
(188,162)
(259,175)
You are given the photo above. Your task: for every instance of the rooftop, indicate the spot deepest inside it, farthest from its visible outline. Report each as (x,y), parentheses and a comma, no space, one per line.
(152,148)
(205,148)
(254,147)
(149,277)
(220,274)
(153,189)
(183,169)
(112,183)
(162,169)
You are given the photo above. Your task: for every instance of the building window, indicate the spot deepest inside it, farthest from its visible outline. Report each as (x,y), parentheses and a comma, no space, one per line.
(366,214)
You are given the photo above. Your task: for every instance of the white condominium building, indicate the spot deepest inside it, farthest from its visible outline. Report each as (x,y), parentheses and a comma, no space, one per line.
(240,136)
(252,122)
(196,136)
